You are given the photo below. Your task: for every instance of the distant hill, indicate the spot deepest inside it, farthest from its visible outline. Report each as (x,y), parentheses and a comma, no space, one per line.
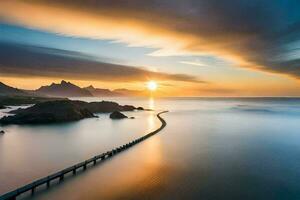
(126,92)
(99,92)
(7,90)
(63,89)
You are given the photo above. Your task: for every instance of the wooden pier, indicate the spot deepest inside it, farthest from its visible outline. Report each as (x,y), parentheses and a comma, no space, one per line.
(83,165)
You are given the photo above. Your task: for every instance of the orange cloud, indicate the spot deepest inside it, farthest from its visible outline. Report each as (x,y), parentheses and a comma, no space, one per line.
(128,26)
(201,27)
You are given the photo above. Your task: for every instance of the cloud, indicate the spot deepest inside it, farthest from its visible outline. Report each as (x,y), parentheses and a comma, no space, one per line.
(253,34)
(193,63)
(35,61)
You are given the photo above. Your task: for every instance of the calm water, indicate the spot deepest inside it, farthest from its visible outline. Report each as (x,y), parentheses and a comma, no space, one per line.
(210,149)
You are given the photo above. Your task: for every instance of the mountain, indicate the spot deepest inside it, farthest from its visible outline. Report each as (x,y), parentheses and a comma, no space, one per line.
(7,90)
(63,89)
(99,92)
(67,89)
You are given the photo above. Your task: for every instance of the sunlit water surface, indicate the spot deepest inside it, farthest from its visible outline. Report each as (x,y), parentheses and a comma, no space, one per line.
(210,149)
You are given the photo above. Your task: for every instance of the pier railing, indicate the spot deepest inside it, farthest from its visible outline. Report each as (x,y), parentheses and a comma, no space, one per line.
(83,165)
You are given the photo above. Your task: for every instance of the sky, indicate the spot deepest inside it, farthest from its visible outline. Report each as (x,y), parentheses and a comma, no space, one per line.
(189,47)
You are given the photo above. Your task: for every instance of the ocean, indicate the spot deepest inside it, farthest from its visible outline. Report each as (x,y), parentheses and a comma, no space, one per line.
(211,148)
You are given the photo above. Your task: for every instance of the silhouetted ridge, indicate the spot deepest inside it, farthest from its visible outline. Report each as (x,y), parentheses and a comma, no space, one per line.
(7,90)
(64,89)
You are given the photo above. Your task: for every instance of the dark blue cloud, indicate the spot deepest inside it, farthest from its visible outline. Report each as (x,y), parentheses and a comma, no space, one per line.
(29,61)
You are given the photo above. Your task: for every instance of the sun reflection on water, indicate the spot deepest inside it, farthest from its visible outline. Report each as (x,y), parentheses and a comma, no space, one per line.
(151,121)
(128,178)
(151,103)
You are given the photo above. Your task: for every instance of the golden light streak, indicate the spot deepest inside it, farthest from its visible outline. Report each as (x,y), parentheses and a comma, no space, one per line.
(151,103)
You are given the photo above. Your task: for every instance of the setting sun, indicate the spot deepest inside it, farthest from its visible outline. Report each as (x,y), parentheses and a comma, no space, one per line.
(152,85)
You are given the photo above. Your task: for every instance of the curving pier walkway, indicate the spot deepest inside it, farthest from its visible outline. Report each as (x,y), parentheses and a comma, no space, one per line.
(83,165)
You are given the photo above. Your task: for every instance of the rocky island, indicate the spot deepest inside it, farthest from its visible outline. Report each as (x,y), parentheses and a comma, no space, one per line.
(62,111)
(117,115)
(48,112)
(12,100)
(2,107)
